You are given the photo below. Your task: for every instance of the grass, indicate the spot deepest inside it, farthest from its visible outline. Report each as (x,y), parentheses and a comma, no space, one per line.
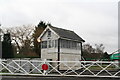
(96,67)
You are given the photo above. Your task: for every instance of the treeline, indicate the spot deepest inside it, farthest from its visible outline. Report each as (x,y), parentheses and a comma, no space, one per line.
(96,53)
(21,42)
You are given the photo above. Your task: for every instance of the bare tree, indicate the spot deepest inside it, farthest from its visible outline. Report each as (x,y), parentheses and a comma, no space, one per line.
(22,36)
(99,48)
(88,48)
(96,53)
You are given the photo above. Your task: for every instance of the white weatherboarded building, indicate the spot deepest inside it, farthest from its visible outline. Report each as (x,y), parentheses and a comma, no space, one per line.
(60,44)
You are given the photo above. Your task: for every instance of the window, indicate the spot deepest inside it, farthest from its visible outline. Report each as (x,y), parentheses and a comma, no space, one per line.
(49,33)
(44,44)
(56,43)
(74,45)
(69,44)
(62,43)
(53,43)
(49,44)
(78,46)
(66,44)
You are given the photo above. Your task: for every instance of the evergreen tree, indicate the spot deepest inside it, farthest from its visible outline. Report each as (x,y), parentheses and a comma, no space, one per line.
(7,51)
(106,56)
(37,32)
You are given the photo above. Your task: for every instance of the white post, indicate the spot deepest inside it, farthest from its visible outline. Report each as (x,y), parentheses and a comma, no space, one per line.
(0,42)
(44,71)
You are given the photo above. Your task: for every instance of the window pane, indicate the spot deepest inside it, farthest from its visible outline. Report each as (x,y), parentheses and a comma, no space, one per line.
(56,43)
(53,43)
(44,44)
(49,33)
(69,44)
(49,45)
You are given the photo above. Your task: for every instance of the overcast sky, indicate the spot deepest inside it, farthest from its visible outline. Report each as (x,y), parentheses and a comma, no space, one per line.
(96,21)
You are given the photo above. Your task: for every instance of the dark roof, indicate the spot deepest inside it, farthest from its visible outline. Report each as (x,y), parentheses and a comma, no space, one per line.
(63,33)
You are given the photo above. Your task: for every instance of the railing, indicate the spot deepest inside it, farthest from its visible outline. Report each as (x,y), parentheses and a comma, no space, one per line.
(60,68)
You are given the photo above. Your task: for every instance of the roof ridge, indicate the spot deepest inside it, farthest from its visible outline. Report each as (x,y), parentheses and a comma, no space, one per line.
(62,28)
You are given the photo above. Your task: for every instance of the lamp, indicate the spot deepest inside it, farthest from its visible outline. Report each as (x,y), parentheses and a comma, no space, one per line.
(39,40)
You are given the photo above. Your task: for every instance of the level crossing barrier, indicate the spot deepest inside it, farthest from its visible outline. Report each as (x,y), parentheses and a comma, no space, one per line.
(59,68)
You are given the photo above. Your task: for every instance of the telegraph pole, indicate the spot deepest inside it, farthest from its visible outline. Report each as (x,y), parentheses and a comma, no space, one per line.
(119,30)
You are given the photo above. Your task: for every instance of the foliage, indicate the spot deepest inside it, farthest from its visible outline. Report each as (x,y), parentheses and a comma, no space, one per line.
(97,53)
(87,48)
(7,50)
(21,36)
(24,39)
(37,32)
(106,56)
(99,48)
(28,55)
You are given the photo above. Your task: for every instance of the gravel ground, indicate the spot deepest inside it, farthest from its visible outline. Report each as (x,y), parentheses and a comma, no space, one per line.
(55,78)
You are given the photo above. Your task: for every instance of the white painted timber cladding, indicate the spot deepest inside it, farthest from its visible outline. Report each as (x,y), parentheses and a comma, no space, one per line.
(53,36)
(65,53)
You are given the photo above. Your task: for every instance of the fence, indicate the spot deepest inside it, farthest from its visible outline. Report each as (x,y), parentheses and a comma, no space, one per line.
(60,68)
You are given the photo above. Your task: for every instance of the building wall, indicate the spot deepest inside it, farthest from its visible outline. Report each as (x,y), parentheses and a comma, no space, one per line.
(49,54)
(70,51)
(70,55)
(46,52)
(66,54)
(53,36)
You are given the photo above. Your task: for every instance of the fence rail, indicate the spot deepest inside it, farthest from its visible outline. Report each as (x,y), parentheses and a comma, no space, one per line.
(60,68)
